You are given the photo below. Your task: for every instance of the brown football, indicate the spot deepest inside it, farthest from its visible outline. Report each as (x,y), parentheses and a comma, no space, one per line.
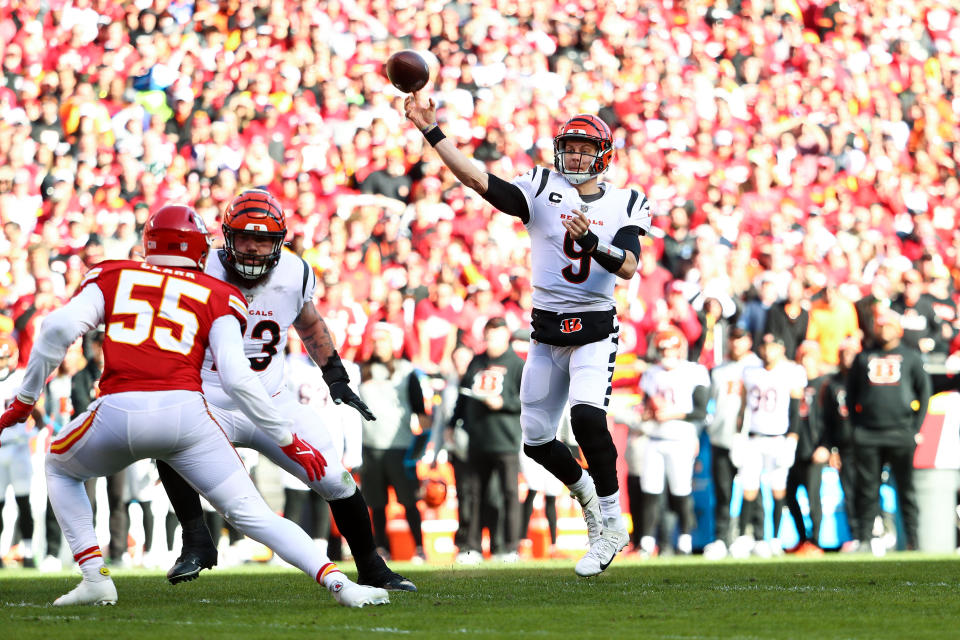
(407,71)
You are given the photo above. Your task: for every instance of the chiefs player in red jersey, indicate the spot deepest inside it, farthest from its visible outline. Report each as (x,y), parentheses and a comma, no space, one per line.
(159,319)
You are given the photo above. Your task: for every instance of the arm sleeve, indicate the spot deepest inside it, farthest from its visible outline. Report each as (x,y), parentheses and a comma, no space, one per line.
(700,396)
(794,416)
(628,239)
(57,332)
(507,197)
(415,392)
(241,383)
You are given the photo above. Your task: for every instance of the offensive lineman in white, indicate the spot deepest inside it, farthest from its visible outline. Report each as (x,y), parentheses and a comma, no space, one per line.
(279,289)
(769,415)
(675,391)
(584,234)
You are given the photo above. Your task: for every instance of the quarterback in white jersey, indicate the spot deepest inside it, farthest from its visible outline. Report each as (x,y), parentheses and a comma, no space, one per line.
(584,234)
(767,439)
(279,288)
(16,468)
(675,391)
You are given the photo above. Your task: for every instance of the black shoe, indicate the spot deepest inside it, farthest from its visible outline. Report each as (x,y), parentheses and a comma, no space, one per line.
(190,564)
(29,563)
(387,580)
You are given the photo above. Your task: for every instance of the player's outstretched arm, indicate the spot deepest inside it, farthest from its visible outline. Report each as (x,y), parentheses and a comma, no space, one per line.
(424,117)
(57,332)
(318,342)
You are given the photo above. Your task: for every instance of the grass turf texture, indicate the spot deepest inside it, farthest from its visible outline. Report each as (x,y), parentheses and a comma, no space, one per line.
(900,596)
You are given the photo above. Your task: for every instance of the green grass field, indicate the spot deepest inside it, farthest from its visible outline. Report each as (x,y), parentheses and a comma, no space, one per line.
(900,596)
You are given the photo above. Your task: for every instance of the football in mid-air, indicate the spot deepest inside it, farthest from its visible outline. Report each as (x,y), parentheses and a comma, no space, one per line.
(407,71)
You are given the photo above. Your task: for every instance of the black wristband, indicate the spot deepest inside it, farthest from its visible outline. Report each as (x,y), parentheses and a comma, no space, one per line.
(334,371)
(434,135)
(588,241)
(609,257)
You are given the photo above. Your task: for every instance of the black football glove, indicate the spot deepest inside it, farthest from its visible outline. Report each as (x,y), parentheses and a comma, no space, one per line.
(335,375)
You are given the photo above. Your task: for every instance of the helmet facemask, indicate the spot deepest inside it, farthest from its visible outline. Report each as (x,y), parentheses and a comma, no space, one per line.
(251,266)
(560,159)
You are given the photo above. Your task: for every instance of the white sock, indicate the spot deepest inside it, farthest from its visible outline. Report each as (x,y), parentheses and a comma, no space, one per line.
(332,577)
(583,486)
(94,570)
(610,506)
(648,544)
(685,543)
(28,548)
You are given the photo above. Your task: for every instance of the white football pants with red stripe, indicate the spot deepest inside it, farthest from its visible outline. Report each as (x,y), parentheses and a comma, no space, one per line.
(174,426)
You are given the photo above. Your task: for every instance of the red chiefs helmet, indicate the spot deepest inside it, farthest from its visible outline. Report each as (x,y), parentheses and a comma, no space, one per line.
(434,492)
(175,236)
(583,127)
(254,212)
(9,354)
(670,345)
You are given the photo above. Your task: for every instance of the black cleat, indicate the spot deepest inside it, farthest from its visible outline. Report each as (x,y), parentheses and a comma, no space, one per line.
(388,580)
(190,564)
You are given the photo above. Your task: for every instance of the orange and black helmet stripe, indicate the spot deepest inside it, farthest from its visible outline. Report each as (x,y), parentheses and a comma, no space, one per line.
(598,125)
(256,203)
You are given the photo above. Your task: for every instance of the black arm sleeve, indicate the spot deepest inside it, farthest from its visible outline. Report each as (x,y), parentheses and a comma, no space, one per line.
(701,395)
(415,395)
(794,416)
(628,239)
(507,198)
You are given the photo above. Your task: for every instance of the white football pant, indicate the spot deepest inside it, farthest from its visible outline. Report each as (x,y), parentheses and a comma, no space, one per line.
(174,426)
(551,375)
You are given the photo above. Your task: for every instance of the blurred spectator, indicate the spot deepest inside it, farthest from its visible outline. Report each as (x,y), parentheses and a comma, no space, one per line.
(887,394)
(920,324)
(391,388)
(789,319)
(836,416)
(679,243)
(813,451)
(867,307)
(489,406)
(833,318)
(755,311)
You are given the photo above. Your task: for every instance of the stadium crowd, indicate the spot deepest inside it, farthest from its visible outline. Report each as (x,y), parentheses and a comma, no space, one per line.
(802,157)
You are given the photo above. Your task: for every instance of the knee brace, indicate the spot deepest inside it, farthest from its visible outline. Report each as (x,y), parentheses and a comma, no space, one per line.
(589,426)
(555,458)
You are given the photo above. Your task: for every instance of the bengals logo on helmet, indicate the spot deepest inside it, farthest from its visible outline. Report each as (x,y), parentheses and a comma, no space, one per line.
(570,325)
